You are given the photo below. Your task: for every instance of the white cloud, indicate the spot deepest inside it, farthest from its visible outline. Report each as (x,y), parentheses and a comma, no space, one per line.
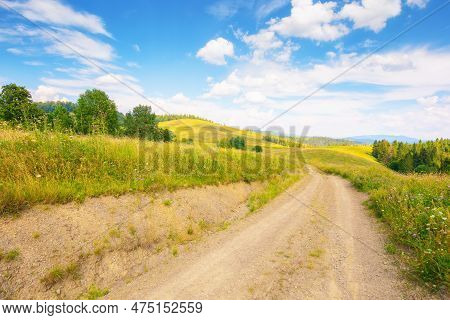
(403,76)
(264,40)
(16,51)
(372,14)
(55,13)
(417,3)
(316,21)
(46,93)
(64,42)
(223,9)
(254,97)
(428,102)
(34,63)
(216,50)
(331,54)
(136,47)
(180,98)
(268,7)
(112,84)
(133,64)
(84,46)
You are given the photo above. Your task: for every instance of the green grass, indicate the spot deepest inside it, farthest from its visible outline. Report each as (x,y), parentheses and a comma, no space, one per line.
(316,253)
(59,273)
(36,234)
(274,187)
(50,168)
(93,293)
(9,256)
(415,207)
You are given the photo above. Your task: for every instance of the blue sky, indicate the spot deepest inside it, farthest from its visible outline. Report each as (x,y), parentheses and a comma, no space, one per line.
(241,62)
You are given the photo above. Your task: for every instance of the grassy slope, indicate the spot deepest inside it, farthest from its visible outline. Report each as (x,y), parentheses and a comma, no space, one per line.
(56,168)
(210,132)
(416,208)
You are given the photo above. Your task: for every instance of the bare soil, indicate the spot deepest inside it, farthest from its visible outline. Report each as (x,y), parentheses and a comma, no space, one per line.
(109,240)
(316,241)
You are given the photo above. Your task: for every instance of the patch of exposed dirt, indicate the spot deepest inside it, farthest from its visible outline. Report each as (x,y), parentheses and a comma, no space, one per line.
(287,251)
(109,241)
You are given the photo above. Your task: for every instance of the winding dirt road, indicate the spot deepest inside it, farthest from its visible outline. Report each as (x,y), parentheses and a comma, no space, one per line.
(315,241)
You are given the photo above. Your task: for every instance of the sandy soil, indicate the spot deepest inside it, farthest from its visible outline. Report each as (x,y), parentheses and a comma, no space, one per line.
(110,240)
(316,241)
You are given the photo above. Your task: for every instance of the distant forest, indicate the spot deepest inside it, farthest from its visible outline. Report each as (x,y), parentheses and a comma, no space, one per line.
(421,157)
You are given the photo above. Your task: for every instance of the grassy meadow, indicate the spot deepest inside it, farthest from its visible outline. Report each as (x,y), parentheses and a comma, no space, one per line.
(415,207)
(202,131)
(47,167)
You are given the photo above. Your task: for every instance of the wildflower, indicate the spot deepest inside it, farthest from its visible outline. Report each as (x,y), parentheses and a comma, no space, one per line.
(38,176)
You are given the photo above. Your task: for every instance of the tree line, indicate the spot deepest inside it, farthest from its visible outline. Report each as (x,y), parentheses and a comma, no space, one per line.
(421,157)
(94,113)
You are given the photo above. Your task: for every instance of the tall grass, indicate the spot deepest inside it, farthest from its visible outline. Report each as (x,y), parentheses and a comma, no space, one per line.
(273,188)
(39,167)
(416,208)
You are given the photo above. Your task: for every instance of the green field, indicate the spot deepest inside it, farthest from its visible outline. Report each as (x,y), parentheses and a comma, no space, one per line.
(415,207)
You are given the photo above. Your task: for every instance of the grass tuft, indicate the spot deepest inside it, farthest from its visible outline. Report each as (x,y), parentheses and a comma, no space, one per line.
(10,255)
(316,253)
(36,235)
(59,273)
(94,293)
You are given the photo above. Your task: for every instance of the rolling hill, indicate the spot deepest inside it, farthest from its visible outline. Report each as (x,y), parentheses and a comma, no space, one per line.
(210,132)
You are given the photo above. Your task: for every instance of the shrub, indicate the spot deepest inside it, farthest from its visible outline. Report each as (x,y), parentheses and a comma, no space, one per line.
(257,149)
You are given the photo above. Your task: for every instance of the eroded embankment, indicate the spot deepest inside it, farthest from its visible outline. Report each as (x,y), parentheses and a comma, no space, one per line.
(52,252)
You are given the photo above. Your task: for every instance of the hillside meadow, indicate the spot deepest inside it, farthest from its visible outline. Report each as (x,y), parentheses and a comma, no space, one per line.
(49,167)
(415,207)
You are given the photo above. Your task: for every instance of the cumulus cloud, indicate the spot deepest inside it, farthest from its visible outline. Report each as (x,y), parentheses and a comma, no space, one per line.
(400,75)
(216,50)
(316,21)
(372,14)
(53,12)
(263,40)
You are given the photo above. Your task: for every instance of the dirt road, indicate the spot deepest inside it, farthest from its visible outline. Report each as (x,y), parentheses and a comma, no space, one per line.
(306,244)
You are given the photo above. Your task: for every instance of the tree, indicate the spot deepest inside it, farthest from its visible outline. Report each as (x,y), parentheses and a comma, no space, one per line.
(234,142)
(61,119)
(142,123)
(17,107)
(96,113)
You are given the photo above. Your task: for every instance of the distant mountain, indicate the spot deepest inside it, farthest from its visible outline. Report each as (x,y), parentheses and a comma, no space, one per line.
(371,138)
